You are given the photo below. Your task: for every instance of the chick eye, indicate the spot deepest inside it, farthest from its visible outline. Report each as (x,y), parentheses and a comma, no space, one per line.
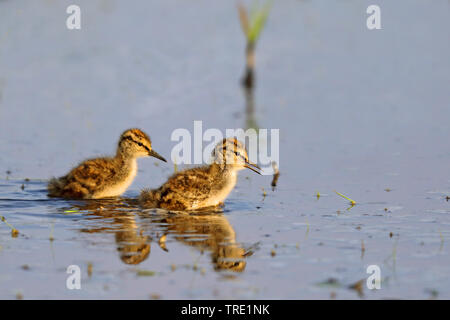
(140,144)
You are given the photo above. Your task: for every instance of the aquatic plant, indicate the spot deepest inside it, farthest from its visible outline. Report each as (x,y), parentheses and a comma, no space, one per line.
(14,231)
(252,26)
(352,202)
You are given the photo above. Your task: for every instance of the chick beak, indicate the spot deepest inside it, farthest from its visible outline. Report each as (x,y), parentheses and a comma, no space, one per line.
(155,154)
(252,167)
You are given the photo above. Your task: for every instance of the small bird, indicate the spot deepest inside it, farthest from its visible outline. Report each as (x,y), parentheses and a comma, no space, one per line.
(206,186)
(105,177)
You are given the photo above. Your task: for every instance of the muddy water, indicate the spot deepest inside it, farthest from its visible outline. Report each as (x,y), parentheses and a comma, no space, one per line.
(361,112)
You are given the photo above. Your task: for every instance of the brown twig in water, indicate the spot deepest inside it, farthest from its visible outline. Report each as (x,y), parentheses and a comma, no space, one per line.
(276,175)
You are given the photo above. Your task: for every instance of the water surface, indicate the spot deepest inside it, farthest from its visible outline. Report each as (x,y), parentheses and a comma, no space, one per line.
(361,112)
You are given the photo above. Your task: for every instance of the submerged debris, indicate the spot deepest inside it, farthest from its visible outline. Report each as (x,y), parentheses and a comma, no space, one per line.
(89,269)
(145,273)
(363,248)
(433,293)
(358,287)
(330,282)
(276,174)
(51,238)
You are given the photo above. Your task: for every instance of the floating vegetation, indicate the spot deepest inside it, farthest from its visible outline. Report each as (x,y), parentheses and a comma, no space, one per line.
(318,195)
(433,293)
(90,268)
(145,273)
(264,193)
(71,211)
(352,202)
(273,253)
(307,229)
(330,283)
(14,231)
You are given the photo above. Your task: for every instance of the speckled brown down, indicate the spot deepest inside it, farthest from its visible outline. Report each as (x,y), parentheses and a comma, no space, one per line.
(202,187)
(108,176)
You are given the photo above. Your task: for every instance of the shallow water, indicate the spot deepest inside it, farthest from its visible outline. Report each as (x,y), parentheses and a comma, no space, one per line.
(361,112)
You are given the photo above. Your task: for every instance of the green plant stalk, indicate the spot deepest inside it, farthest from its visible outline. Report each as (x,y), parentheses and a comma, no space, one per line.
(14,230)
(351,201)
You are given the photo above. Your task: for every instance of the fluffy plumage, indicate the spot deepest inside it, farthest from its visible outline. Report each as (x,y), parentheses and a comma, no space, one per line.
(108,176)
(201,187)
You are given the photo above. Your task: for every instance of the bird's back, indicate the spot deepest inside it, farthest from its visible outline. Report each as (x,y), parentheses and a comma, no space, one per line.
(189,189)
(87,180)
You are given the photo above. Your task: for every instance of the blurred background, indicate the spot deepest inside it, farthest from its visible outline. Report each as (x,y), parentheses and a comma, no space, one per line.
(359,111)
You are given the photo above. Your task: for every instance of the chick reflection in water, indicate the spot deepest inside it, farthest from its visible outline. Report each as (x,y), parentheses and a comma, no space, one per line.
(210,232)
(115,217)
(206,232)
